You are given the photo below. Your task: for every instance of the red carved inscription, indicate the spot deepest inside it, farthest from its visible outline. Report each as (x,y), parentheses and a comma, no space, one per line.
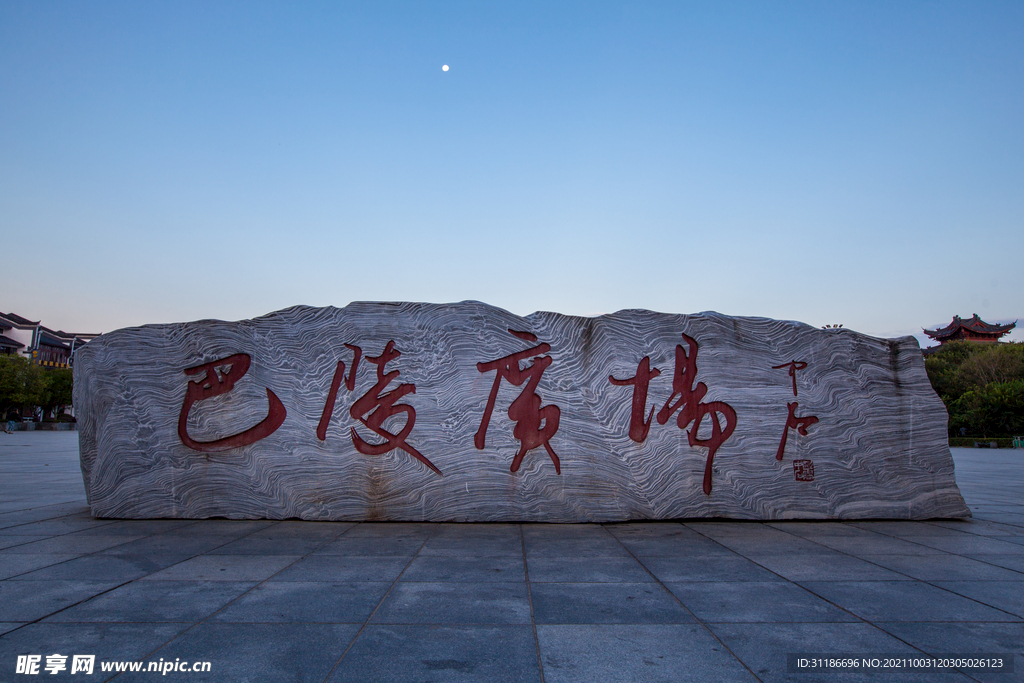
(219,377)
(638,427)
(535,425)
(332,395)
(375,406)
(686,399)
(800,424)
(793,421)
(793,366)
(691,409)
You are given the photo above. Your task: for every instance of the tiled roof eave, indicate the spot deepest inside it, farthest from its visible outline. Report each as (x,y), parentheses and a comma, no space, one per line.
(975,325)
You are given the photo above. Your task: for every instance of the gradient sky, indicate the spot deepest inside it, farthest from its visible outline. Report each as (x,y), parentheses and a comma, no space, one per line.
(856,162)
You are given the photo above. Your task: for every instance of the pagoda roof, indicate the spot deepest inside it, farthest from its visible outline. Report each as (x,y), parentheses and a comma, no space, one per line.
(974,324)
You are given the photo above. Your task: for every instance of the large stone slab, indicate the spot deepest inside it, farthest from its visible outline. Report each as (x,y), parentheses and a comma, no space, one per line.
(466,412)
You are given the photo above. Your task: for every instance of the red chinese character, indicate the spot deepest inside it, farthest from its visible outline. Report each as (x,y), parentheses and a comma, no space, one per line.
(219,377)
(638,427)
(692,410)
(793,366)
(526,410)
(332,395)
(800,424)
(377,405)
(803,470)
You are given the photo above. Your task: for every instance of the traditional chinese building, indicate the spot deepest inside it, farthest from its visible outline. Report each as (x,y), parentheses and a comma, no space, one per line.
(973,330)
(16,333)
(38,343)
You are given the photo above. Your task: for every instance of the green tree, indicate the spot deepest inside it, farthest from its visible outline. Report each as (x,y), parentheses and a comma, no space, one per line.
(980,385)
(997,409)
(998,363)
(58,390)
(21,383)
(943,367)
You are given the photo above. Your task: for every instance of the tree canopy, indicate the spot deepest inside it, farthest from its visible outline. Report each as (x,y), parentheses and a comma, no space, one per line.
(24,384)
(57,394)
(982,386)
(21,383)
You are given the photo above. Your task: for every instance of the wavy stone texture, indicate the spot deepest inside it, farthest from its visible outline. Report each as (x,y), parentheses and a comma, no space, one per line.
(878,450)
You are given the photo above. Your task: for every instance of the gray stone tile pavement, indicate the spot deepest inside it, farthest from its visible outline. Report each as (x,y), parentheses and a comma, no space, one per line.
(645,601)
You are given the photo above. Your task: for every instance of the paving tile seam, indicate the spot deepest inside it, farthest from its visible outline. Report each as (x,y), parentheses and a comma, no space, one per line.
(66,533)
(95,552)
(937,525)
(103,550)
(41,507)
(62,504)
(681,604)
(529,598)
(45,616)
(856,617)
(111,622)
(990,523)
(958,622)
(889,632)
(937,653)
(873,624)
(261,623)
(771,571)
(380,602)
(673,623)
(508,581)
(149,654)
(928,582)
(856,557)
(961,554)
(966,534)
(107,550)
(459,624)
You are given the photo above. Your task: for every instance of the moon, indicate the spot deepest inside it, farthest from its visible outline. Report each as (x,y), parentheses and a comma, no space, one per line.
(444,68)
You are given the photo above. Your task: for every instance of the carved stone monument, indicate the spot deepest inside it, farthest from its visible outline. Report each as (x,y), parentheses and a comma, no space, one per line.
(465,412)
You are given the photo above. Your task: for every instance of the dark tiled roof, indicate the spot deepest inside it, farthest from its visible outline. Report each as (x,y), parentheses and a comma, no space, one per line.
(18,321)
(50,339)
(58,338)
(7,342)
(81,335)
(975,324)
(67,336)
(78,337)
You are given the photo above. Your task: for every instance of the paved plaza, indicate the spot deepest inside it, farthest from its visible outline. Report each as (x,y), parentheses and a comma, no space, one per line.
(656,601)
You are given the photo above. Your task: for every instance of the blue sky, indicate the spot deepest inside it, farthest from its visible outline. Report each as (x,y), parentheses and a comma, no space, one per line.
(858,162)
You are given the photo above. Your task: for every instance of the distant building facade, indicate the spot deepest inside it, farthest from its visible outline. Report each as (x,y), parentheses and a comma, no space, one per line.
(41,345)
(974,330)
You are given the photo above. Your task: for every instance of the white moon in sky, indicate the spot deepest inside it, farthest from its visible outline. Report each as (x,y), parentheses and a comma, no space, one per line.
(444,68)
